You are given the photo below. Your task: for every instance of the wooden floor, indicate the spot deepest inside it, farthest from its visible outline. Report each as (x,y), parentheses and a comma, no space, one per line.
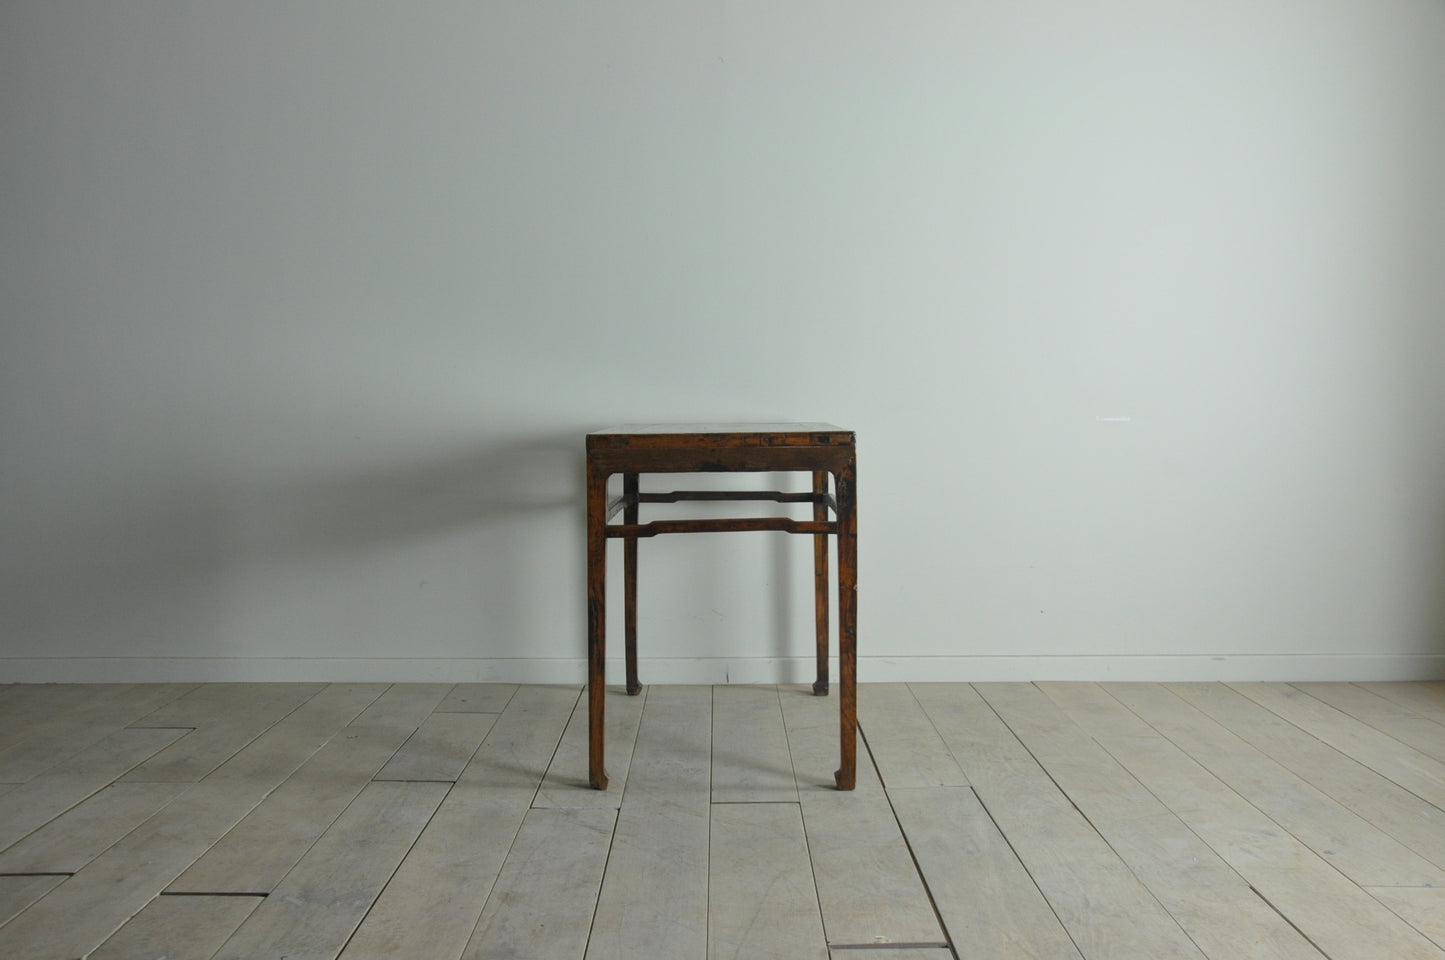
(997,821)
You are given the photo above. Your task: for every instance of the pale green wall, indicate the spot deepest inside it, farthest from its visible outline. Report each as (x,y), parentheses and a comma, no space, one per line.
(1136,308)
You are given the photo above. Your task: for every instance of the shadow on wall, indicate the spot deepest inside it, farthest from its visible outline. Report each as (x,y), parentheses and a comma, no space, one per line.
(525,502)
(367,509)
(175,565)
(480,553)
(489,532)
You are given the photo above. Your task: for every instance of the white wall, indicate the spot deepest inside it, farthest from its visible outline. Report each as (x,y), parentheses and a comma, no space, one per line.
(1136,308)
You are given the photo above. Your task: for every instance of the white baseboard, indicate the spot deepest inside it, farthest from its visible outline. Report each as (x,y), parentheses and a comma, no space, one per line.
(1283,667)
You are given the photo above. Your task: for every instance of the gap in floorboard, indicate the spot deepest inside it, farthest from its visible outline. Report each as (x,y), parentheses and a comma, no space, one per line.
(918,867)
(411,780)
(922,945)
(1285,917)
(38,873)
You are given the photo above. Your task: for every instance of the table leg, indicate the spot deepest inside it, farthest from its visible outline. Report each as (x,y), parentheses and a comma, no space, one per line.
(820,580)
(596,624)
(629,577)
(845,484)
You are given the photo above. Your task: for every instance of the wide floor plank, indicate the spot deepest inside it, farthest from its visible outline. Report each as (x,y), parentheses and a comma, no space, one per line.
(520,746)
(566,783)
(868,886)
(296,738)
(178,928)
(541,905)
(761,901)
(477,698)
(1425,734)
(812,728)
(990,905)
(46,738)
(654,896)
(81,913)
(1353,845)
(213,703)
(1398,812)
(19,892)
(25,704)
(35,803)
(254,856)
(1421,907)
(440,748)
(431,905)
(316,908)
(1422,775)
(1334,913)
(404,705)
(85,831)
(223,718)
(1106,910)
(1219,911)
(1089,707)
(1427,698)
(750,758)
(902,740)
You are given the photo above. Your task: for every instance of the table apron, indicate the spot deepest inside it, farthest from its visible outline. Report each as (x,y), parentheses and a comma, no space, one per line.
(833,459)
(633,531)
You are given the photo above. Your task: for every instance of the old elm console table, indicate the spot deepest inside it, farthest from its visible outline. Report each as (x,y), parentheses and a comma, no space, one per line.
(816,448)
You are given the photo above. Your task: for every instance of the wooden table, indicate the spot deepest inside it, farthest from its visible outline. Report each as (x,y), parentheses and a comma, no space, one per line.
(819,449)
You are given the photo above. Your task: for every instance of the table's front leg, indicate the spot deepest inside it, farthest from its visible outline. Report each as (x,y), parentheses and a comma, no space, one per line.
(846,490)
(820,581)
(630,515)
(596,624)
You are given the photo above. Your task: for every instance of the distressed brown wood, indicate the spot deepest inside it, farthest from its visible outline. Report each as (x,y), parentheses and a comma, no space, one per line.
(819,449)
(777,496)
(820,578)
(596,620)
(629,563)
(786,525)
(845,480)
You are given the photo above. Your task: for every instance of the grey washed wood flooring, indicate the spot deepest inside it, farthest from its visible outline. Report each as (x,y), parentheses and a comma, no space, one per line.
(991,822)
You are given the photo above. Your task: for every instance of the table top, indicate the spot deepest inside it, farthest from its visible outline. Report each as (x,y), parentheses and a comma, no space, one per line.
(691,429)
(717,447)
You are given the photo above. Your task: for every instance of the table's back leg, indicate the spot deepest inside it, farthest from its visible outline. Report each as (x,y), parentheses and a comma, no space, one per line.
(845,484)
(596,623)
(820,580)
(629,575)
